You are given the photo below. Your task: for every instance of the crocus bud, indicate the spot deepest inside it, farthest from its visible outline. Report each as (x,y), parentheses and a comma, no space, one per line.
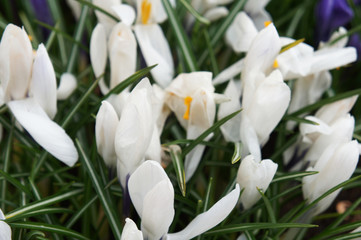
(43,82)
(336,165)
(252,175)
(105,125)
(16,60)
(122,48)
(67,86)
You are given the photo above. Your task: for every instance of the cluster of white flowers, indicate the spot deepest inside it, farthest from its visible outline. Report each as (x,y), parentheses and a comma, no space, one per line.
(129,125)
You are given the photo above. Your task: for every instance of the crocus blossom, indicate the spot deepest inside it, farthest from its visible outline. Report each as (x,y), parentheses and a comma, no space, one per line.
(29,89)
(66,87)
(152,195)
(336,164)
(130,231)
(253,175)
(191,97)
(5,230)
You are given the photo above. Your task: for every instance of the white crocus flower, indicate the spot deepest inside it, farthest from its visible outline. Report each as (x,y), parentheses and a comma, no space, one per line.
(336,165)
(191,97)
(105,124)
(5,230)
(134,130)
(252,175)
(30,91)
(122,48)
(265,95)
(152,195)
(105,20)
(152,42)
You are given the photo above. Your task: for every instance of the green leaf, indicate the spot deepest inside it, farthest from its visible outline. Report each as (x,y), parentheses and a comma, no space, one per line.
(95,7)
(300,120)
(38,212)
(48,228)
(176,156)
(255,226)
(215,126)
(43,203)
(292,176)
(291,45)
(194,12)
(271,214)
(109,208)
(336,231)
(181,37)
(14,182)
(237,152)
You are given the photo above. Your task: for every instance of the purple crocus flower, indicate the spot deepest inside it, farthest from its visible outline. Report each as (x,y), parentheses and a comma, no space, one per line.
(331,14)
(42,13)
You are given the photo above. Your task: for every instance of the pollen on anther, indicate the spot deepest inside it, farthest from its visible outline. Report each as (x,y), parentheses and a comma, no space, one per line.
(275,64)
(187,102)
(266,23)
(146,8)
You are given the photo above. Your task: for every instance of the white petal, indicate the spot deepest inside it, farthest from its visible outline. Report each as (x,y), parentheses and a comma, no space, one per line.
(231,129)
(308,129)
(158,210)
(105,125)
(252,175)
(125,13)
(216,13)
(43,82)
(105,20)
(209,219)
(250,143)
(5,231)
(122,53)
(154,150)
(130,231)
(16,58)
(155,49)
(144,178)
(241,33)
(2,216)
(229,72)
(47,133)
(67,86)
(327,59)
(98,50)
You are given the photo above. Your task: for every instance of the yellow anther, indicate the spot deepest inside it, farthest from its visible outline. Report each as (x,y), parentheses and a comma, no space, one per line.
(187,102)
(338,68)
(30,37)
(275,64)
(266,23)
(145,11)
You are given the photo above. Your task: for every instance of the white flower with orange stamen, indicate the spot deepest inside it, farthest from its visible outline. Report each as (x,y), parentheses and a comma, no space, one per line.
(191,97)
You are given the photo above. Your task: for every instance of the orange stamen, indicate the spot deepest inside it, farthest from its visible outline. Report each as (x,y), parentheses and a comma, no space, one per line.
(187,102)
(145,11)
(275,64)
(266,23)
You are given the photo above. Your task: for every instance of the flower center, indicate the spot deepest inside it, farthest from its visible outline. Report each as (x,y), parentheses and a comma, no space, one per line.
(275,64)
(187,102)
(145,11)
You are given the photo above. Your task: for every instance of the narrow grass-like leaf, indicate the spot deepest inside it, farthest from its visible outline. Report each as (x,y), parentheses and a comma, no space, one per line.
(77,37)
(215,126)
(29,29)
(323,102)
(208,194)
(292,176)
(212,57)
(108,206)
(336,231)
(77,215)
(347,236)
(194,12)
(176,156)
(14,182)
(39,212)
(177,142)
(181,37)
(300,120)
(291,45)
(268,205)
(127,82)
(343,216)
(255,226)
(95,7)
(81,101)
(48,228)
(43,203)
(237,152)
(347,34)
(6,162)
